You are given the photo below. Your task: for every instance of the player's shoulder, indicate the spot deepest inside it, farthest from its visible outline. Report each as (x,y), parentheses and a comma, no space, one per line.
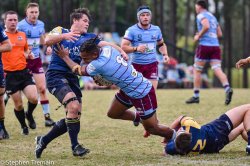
(133,27)
(154,27)
(22,22)
(58,30)
(189,121)
(39,22)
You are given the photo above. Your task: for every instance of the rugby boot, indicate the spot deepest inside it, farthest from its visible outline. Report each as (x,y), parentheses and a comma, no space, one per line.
(40,146)
(25,130)
(31,121)
(79,150)
(248,149)
(48,121)
(229,95)
(193,100)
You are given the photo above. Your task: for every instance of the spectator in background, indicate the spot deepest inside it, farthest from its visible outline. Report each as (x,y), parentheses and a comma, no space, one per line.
(208,51)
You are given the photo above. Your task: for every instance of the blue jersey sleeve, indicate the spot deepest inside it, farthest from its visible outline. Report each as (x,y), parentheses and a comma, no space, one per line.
(3,35)
(129,34)
(159,37)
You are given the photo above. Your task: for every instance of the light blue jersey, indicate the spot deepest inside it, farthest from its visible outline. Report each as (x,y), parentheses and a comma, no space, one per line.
(33,33)
(149,37)
(210,37)
(112,67)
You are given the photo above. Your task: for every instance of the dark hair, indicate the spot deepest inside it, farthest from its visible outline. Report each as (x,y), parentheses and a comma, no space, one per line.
(202,3)
(9,13)
(78,13)
(32,4)
(142,7)
(182,143)
(89,46)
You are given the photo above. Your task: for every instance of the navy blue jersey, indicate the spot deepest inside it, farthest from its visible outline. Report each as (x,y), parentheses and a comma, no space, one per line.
(209,138)
(74,49)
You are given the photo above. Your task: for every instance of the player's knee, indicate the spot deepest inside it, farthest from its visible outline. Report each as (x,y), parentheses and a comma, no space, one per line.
(152,130)
(216,67)
(198,67)
(42,90)
(111,115)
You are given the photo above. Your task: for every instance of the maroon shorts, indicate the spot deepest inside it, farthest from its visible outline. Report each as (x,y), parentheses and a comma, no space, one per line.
(35,65)
(149,71)
(145,106)
(208,53)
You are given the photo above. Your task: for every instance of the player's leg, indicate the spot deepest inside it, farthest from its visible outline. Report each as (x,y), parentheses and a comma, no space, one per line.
(41,87)
(119,109)
(154,83)
(198,67)
(3,134)
(19,111)
(216,66)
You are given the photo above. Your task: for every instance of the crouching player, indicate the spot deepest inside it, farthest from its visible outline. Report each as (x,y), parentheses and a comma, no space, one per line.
(135,90)
(211,137)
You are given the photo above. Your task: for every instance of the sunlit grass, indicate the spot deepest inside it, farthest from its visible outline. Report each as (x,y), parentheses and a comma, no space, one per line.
(116,142)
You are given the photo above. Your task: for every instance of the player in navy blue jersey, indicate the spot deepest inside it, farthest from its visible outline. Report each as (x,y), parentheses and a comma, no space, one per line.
(5,46)
(211,137)
(135,90)
(63,83)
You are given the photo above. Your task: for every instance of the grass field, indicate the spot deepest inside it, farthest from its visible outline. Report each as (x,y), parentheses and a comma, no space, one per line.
(115,142)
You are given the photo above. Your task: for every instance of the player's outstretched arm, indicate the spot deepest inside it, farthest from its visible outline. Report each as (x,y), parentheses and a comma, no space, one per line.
(242,62)
(64,54)
(104,43)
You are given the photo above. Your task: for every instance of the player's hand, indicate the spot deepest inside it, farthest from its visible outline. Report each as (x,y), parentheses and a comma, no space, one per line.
(48,50)
(124,56)
(196,37)
(141,48)
(242,63)
(71,36)
(31,55)
(166,59)
(61,51)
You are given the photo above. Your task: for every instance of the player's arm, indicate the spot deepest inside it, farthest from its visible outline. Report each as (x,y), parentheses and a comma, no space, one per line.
(243,62)
(104,43)
(126,46)
(5,46)
(219,31)
(64,54)
(177,123)
(163,50)
(205,26)
(56,36)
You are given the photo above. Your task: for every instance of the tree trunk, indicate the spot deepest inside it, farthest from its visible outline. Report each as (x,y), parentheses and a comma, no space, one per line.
(187,23)
(172,26)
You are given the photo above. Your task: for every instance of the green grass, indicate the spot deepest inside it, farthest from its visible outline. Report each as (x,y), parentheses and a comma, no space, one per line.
(116,142)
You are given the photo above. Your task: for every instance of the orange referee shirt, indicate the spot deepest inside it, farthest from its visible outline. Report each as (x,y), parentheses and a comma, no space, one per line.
(15,60)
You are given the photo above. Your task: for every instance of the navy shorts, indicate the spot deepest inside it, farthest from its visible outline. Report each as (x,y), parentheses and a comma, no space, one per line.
(145,106)
(60,83)
(2,79)
(217,134)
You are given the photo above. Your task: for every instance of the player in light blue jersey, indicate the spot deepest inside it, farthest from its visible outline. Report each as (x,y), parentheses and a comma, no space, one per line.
(34,30)
(208,50)
(64,84)
(142,40)
(5,46)
(107,64)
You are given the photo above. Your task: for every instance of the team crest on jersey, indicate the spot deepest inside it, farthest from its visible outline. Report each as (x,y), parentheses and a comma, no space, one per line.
(90,68)
(19,38)
(153,37)
(134,73)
